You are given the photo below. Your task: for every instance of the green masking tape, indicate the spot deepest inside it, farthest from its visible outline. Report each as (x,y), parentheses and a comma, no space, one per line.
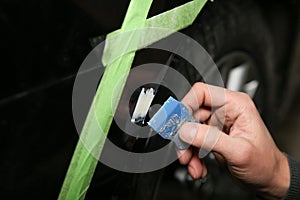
(170,21)
(118,57)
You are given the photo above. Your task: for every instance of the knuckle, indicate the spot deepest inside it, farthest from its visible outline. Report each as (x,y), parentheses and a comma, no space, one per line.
(245,97)
(249,102)
(198,85)
(245,101)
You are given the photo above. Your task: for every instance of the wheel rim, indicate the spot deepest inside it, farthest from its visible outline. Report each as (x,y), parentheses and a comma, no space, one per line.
(240,73)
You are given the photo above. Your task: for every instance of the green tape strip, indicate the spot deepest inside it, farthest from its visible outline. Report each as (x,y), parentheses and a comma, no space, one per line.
(118,57)
(170,21)
(83,162)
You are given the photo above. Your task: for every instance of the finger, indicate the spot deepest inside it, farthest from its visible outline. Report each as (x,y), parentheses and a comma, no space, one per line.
(232,103)
(218,119)
(195,167)
(184,156)
(206,95)
(203,114)
(208,137)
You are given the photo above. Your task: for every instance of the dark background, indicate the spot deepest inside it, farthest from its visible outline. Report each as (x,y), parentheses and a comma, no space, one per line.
(42,45)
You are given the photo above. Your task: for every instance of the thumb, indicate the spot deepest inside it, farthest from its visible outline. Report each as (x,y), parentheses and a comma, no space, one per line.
(210,138)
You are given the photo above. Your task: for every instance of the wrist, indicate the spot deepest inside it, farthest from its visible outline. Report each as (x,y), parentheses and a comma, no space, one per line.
(280,183)
(293,192)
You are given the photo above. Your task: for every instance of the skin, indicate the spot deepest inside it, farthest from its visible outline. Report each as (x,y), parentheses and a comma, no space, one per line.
(241,140)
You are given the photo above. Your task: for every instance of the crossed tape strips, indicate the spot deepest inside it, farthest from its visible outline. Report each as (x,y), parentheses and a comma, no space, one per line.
(118,57)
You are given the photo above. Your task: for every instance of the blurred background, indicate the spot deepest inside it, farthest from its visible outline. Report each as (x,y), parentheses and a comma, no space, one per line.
(43,43)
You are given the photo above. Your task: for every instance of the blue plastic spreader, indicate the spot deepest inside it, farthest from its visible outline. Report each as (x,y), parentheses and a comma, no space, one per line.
(168,120)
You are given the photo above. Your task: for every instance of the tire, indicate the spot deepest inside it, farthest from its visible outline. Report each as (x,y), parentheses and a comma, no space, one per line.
(233,32)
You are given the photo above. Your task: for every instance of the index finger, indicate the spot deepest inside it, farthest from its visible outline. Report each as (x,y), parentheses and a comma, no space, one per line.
(202,94)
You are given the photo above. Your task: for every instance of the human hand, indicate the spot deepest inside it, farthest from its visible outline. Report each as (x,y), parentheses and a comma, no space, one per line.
(241,140)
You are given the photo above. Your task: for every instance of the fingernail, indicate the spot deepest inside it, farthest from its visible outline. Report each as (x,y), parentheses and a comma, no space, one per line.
(188,132)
